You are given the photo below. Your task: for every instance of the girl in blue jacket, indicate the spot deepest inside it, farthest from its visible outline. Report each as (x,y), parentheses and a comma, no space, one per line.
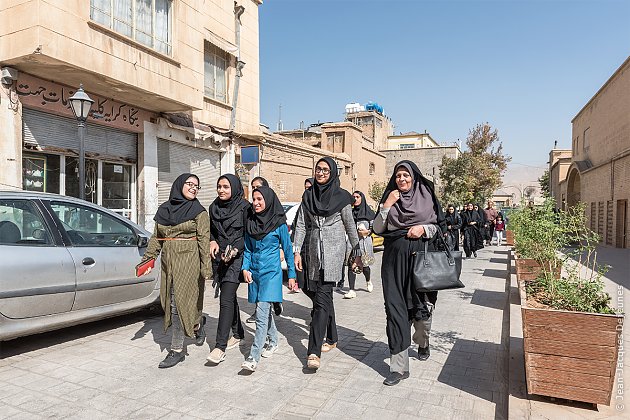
(266,231)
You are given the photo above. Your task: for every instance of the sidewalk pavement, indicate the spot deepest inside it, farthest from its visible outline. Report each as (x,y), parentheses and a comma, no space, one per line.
(522,406)
(108,369)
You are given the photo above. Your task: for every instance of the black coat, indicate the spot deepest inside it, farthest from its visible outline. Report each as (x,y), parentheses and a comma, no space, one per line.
(454,221)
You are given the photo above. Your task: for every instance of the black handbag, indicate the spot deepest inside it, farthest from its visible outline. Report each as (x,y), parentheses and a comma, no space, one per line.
(436,270)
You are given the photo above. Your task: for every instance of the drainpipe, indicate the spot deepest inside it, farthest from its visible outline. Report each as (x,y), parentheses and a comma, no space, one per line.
(238,11)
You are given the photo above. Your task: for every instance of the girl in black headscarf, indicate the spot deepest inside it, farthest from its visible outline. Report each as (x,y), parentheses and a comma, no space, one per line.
(453,224)
(259,181)
(324,219)
(409,215)
(266,234)
(472,223)
(363,217)
(227,230)
(182,237)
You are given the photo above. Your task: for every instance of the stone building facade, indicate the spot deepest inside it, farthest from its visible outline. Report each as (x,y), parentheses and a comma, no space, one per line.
(599,173)
(174,82)
(559,163)
(428,159)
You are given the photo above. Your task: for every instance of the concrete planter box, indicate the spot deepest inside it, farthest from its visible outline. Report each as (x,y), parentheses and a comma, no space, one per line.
(529,269)
(570,355)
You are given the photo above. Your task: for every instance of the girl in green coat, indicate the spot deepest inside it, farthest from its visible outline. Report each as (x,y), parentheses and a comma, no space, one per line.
(182,237)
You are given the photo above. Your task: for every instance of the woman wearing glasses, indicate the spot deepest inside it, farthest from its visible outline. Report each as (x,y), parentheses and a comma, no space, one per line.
(323,221)
(182,237)
(227,230)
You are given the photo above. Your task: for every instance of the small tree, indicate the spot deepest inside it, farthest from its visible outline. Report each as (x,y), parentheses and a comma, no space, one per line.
(545,183)
(477,172)
(376,190)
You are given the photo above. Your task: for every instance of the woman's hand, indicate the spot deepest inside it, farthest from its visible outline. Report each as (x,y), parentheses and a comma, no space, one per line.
(281,255)
(391,199)
(214,249)
(297,259)
(248,276)
(291,284)
(415,232)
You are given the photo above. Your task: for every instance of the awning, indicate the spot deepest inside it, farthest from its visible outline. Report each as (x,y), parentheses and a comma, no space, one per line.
(220,42)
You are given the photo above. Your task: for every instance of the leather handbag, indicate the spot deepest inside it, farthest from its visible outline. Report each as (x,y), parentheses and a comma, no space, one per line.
(436,270)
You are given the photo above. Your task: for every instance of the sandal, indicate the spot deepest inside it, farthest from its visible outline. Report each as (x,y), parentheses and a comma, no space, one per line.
(313,362)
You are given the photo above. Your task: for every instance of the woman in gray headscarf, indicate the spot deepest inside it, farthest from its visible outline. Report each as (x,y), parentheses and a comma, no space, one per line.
(409,215)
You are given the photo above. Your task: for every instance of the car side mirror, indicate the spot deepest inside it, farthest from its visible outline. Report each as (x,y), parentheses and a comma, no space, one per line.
(143,241)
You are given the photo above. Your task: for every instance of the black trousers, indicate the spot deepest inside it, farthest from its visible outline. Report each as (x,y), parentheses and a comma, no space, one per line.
(229,315)
(352,278)
(323,322)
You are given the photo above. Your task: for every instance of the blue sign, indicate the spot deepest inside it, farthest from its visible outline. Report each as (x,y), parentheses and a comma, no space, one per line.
(250,154)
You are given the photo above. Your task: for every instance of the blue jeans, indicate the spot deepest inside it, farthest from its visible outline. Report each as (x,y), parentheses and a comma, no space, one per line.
(265,327)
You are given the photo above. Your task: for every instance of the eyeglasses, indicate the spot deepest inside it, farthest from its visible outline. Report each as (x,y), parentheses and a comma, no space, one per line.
(192,185)
(324,171)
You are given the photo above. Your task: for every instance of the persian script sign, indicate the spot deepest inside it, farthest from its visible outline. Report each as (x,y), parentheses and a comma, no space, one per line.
(52,97)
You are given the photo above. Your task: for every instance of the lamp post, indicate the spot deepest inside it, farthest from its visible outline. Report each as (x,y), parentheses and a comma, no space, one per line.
(81,104)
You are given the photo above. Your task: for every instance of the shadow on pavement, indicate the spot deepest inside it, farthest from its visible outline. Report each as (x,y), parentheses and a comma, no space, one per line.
(493,272)
(489,299)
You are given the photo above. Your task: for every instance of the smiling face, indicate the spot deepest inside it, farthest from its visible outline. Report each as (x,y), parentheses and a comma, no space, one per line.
(258,201)
(191,187)
(451,210)
(224,189)
(404,180)
(322,172)
(469,206)
(357,199)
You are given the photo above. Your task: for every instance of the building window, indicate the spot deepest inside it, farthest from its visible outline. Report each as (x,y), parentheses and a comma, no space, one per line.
(215,73)
(584,144)
(336,142)
(347,170)
(406,146)
(147,21)
(372,168)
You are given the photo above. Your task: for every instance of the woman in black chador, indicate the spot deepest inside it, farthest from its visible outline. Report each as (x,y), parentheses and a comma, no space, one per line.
(453,224)
(472,223)
(409,215)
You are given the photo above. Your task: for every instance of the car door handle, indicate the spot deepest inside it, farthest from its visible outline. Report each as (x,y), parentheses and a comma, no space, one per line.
(88,261)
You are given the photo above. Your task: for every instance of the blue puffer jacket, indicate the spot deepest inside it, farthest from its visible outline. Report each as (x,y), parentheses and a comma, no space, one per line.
(262,259)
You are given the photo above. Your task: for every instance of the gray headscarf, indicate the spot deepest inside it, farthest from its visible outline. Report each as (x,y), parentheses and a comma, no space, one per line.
(415,207)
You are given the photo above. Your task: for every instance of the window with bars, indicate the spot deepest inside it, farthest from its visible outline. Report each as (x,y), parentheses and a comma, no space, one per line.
(609,222)
(336,142)
(600,220)
(216,63)
(372,168)
(149,22)
(593,217)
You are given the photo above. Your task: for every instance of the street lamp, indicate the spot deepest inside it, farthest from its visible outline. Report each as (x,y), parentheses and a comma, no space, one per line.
(81,104)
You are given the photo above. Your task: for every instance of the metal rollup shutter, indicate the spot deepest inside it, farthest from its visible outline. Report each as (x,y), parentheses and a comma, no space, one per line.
(43,129)
(175,159)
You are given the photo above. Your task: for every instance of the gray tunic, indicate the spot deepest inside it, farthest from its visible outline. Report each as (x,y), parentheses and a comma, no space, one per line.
(325,241)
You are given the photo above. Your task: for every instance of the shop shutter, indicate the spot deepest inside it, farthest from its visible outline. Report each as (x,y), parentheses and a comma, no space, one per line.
(43,129)
(175,159)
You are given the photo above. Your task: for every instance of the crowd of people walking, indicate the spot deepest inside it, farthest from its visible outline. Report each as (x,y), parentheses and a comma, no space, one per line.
(238,241)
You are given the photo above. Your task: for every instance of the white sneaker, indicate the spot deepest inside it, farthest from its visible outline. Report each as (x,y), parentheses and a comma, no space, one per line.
(249,364)
(233,343)
(269,351)
(350,295)
(216,356)
(370,286)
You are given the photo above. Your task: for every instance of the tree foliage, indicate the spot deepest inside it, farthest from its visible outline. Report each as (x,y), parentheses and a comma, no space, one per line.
(478,171)
(376,190)
(545,183)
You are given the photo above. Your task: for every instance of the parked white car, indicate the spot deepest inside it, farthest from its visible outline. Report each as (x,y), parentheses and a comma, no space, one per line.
(65,261)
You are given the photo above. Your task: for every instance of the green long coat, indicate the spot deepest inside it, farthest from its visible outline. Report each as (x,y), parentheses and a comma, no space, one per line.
(185,266)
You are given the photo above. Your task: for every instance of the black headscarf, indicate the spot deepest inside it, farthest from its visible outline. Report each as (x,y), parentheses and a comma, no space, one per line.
(178,209)
(262,180)
(310,180)
(362,211)
(329,198)
(421,186)
(224,212)
(268,220)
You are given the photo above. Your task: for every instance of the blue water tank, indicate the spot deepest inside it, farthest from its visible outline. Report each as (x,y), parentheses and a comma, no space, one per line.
(373,106)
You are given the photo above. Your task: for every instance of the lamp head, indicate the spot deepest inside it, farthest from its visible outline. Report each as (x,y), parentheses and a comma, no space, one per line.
(81,104)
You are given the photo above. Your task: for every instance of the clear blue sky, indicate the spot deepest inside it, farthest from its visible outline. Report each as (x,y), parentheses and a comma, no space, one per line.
(526,67)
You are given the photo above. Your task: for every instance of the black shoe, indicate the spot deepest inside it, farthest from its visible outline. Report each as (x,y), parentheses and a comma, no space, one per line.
(171,359)
(424,353)
(475,254)
(200,333)
(251,319)
(277,308)
(394,378)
